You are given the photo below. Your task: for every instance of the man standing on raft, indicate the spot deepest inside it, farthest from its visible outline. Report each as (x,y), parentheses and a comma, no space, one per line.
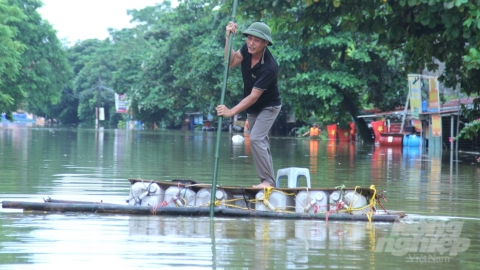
(261,97)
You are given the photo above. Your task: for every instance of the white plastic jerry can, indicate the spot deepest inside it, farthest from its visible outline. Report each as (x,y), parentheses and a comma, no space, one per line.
(277,201)
(356,201)
(179,196)
(145,194)
(204,197)
(313,202)
(351,199)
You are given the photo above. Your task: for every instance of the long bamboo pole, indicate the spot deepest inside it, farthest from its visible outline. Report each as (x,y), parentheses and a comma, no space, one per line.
(219,128)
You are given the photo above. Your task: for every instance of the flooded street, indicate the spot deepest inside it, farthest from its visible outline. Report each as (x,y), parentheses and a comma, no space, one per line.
(438,191)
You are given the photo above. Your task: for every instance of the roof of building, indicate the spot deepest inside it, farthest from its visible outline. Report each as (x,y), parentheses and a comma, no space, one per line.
(450,107)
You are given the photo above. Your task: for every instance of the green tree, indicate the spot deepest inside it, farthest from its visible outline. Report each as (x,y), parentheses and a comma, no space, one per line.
(44,68)
(10,55)
(66,109)
(182,71)
(131,49)
(93,65)
(336,75)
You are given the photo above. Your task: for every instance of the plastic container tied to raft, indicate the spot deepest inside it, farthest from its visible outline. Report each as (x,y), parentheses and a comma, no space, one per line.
(179,196)
(351,199)
(203,197)
(276,201)
(240,201)
(311,202)
(145,194)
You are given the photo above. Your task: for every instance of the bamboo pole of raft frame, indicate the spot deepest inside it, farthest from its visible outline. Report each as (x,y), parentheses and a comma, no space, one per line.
(190,211)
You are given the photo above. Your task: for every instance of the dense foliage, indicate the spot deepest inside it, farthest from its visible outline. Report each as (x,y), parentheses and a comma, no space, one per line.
(43,69)
(336,58)
(10,55)
(179,67)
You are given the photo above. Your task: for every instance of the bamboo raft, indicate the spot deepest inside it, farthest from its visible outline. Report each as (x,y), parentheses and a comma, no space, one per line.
(243,202)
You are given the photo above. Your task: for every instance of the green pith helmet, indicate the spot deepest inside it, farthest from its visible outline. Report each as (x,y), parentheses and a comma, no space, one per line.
(260,30)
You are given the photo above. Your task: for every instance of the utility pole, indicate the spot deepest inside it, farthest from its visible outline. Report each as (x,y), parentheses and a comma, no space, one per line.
(99,110)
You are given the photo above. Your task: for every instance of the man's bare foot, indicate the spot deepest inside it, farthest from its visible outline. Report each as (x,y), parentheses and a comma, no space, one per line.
(263,185)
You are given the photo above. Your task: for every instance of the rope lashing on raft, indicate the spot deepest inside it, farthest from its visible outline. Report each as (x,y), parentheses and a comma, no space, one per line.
(267,192)
(154,209)
(266,195)
(338,206)
(372,204)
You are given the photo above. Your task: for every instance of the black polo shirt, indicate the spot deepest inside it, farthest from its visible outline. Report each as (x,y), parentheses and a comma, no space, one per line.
(263,76)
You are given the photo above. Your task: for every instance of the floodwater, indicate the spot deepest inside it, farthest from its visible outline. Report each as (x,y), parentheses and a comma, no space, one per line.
(438,191)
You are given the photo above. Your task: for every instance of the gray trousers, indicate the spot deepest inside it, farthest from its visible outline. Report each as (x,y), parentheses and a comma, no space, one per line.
(259,126)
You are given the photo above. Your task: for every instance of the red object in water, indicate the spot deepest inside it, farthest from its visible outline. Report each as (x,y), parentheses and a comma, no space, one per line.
(391,139)
(378,128)
(343,135)
(332,132)
(352,131)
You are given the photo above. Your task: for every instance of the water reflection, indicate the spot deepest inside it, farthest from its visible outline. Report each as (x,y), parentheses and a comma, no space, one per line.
(90,165)
(313,154)
(272,242)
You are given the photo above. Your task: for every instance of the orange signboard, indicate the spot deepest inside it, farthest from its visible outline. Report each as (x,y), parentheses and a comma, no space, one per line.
(436,125)
(433,96)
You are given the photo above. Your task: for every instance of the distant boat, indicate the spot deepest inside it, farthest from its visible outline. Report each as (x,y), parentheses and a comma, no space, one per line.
(210,128)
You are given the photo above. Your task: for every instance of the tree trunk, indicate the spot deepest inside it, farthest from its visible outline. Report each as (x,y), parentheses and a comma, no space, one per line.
(360,123)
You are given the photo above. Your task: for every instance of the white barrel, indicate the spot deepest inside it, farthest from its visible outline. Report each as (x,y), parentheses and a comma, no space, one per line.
(277,201)
(350,198)
(356,200)
(204,196)
(145,194)
(315,201)
(179,196)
